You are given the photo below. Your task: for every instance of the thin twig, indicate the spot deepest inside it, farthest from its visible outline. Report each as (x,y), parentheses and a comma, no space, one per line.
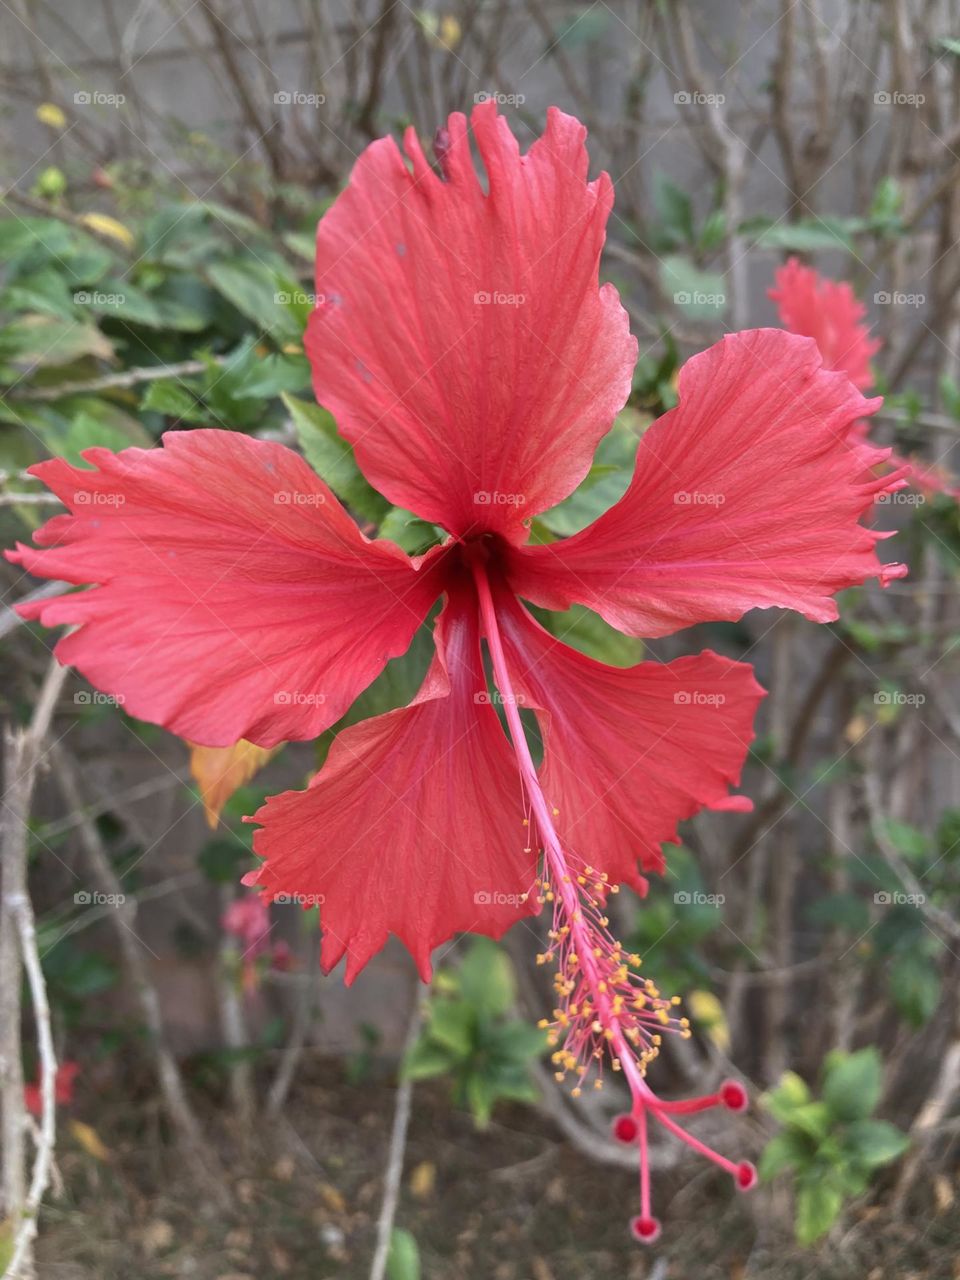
(398,1143)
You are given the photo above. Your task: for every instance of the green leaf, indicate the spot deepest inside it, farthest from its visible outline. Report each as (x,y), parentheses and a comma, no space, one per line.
(790,1093)
(852,1085)
(787,1150)
(332,458)
(407,531)
(403,1260)
(271,301)
(37,339)
(874,1142)
(427,1059)
(695,292)
(222,861)
(802,237)
(451,1024)
(175,400)
(812,1119)
(819,1203)
(585,630)
(674,210)
(486,979)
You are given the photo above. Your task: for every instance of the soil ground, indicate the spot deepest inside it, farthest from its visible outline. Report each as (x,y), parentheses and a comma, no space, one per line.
(511,1203)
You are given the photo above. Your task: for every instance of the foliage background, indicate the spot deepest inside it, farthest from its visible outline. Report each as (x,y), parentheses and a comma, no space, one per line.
(822,924)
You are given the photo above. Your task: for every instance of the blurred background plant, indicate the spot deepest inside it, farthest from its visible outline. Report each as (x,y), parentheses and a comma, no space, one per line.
(162,177)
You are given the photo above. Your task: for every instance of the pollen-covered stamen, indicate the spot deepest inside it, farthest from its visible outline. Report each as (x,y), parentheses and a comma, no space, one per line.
(600,996)
(605,1010)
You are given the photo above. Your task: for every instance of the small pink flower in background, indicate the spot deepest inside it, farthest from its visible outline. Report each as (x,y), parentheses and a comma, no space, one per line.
(473,362)
(248,920)
(830,312)
(67,1072)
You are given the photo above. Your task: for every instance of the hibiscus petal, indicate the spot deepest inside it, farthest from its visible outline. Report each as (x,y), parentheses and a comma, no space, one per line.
(414,826)
(829,312)
(747,495)
(630,752)
(462,342)
(235,597)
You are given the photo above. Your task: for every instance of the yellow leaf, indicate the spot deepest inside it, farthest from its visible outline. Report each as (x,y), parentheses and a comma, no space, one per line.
(104,225)
(707,1010)
(220,771)
(423,1179)
(450,31)
(89,1139)
(49,113)
(332,1198)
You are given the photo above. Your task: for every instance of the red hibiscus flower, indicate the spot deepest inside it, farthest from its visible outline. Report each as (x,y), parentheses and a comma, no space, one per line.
(830,312)
(473,363)
(67,1072)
